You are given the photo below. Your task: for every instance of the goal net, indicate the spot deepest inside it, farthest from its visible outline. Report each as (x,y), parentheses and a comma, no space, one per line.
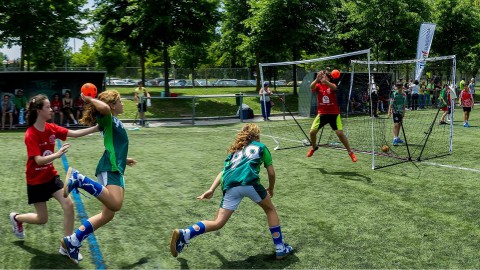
(363,96)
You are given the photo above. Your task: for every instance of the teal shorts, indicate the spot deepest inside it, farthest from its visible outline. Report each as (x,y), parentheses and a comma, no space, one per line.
(111,178)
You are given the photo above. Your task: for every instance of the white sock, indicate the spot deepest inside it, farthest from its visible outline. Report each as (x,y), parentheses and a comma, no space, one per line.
(186,234)
(74,240)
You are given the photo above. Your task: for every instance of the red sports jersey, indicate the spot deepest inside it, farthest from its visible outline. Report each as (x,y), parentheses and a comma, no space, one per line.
(327,99)
(466,98)
(56,105)
(42,144)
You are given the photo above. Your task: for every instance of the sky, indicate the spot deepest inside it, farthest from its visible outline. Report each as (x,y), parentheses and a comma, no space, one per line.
(75,44)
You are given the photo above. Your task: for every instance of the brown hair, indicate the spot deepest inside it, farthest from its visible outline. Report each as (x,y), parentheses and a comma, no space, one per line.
(250,132)
(89,115)
(35,103)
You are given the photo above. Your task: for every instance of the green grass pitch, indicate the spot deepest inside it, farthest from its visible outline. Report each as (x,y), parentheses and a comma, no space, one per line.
(335,213)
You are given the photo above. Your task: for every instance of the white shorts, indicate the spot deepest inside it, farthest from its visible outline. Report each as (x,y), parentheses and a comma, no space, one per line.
(233,196)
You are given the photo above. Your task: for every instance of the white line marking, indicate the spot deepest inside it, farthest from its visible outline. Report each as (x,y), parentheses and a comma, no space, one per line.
(450,166)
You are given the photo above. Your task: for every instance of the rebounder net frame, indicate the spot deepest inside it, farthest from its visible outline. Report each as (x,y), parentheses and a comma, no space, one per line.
(366,133)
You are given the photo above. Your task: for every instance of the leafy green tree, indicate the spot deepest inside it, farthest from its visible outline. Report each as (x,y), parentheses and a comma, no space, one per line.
(33,23)
(457,33)
(146,26)
(389,27)
(85,57)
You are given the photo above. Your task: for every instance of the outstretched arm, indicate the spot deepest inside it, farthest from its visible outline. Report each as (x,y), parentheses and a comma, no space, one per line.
(42,160)
(209,193)
(82,132)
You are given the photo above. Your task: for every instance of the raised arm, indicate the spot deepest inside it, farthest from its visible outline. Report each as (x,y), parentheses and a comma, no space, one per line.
(82,132)
(101,107)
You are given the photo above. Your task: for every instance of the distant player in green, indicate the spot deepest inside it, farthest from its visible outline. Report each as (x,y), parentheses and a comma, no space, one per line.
(238,179)
(110,169)
(397,109)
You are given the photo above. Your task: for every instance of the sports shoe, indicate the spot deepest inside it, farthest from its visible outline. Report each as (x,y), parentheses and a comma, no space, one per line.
(71,250)
(178,242)
(282,253)
(442,123)
(311,151)
(353,157)
(395,142)
(63,251)
(71,182)
(17,226)
(400,140)
(466,125)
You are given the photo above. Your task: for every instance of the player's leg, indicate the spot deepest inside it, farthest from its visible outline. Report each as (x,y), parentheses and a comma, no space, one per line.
(181,237)
(313,135)
(337,126)
(110,192)
(68,211)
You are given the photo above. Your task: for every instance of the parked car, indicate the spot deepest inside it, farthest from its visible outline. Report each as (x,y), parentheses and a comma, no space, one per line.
(246,82)
(180,82)
(226,82)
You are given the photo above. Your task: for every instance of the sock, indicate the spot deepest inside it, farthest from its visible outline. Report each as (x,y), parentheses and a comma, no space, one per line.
(191,232)
(79,235)
(92,187)
(277,236)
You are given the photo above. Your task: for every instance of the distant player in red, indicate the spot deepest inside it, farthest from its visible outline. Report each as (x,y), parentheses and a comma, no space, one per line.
(466,101)
(43,181)
(328,112)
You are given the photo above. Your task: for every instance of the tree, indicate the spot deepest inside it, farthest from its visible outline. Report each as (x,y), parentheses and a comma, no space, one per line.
(85,57)
(146,26)
(33,23)
(457,33)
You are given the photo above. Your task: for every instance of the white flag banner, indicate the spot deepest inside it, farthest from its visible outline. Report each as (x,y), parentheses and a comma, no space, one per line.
(425,37)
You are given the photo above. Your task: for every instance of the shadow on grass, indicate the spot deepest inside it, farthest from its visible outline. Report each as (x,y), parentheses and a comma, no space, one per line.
(352,176)
(260,261)
(43,260)
(141,261)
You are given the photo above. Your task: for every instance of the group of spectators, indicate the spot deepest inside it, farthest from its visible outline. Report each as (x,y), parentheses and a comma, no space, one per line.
(13,109)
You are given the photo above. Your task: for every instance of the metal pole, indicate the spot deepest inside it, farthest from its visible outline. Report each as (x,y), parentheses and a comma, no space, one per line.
(193,110)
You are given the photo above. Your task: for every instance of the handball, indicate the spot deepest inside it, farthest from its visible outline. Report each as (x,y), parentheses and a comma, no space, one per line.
(385,148)
(89,89)
(335,74)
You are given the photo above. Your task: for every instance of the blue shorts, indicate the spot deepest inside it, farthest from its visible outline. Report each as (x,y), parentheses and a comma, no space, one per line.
(233,196)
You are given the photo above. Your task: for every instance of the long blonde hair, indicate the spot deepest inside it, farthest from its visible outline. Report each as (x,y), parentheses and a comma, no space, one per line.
(250,132)
(89,115)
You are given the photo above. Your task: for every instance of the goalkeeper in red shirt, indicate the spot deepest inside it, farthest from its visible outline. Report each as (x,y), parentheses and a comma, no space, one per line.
(328,112)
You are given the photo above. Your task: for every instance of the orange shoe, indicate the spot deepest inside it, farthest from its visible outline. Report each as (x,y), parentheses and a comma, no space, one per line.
(311,151)
(353,157)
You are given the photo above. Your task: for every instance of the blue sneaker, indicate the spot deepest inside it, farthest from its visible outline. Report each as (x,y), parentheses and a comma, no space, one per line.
(178,242)
(466,125)
(71,250)
(71,182)
(395,142)
(282,253)
(400,140)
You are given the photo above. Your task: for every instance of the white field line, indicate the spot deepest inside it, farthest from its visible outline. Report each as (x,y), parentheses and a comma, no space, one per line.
(450,166)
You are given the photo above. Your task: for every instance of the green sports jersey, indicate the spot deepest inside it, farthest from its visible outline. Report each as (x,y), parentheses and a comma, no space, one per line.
(398,102)
(115,139)
(242,167)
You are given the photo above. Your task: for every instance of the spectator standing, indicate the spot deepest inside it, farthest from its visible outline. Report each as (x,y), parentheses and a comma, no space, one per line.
(141,96)
(471,85)
(265,102)
(397,109)
(415,95)
(466,101)
(422,92)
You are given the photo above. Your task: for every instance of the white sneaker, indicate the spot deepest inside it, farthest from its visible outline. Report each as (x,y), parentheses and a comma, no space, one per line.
(62,251)
(17,226)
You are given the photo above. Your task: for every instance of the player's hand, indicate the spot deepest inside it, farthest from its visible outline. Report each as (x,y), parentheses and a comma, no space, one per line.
(131,162)
(206,195)
(86,99)
(269,191)
(63,149)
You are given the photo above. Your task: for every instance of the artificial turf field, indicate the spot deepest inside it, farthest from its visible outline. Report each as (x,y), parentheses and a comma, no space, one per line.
(335,213)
